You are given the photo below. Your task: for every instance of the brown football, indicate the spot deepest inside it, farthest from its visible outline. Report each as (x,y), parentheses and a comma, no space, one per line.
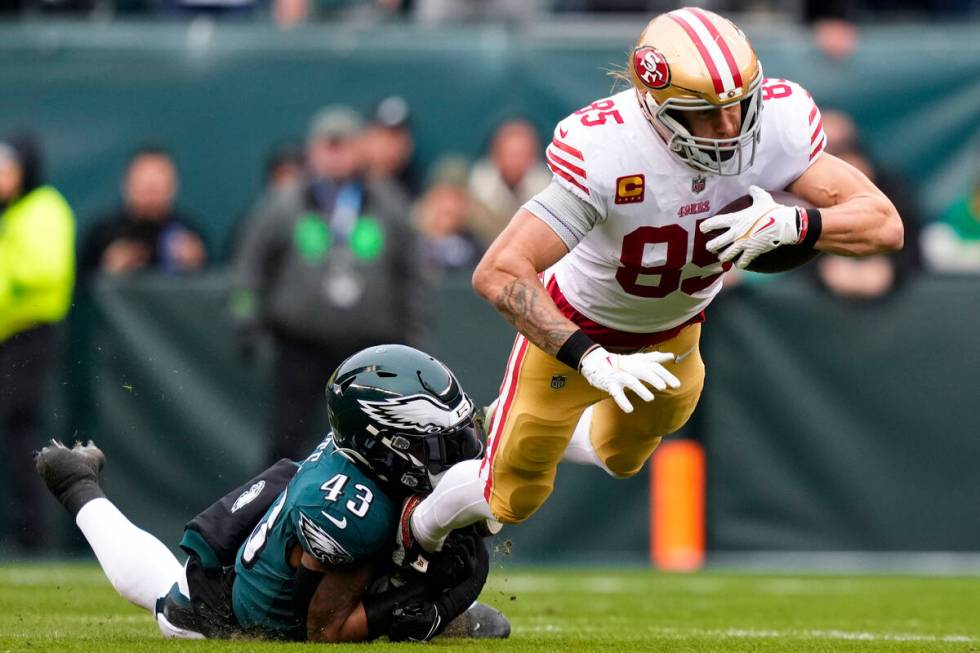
(785,257)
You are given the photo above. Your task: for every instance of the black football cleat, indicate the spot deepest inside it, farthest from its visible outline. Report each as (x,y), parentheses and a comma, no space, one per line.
(479,622)
(72,475)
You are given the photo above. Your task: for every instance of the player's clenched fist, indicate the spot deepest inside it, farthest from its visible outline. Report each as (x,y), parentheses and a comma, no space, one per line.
(755,230)
(614,373)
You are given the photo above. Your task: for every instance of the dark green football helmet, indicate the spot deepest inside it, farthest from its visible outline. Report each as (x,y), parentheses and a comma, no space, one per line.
(403,415)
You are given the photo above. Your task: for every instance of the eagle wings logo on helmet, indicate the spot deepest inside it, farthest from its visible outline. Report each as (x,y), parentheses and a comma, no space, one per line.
(417,413)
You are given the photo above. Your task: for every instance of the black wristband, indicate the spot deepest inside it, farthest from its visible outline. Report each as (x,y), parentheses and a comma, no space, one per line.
(378,607)
(575,348)
(811,224)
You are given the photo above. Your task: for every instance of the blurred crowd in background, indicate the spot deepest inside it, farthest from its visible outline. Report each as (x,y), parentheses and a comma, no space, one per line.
(287,13)
(347,224)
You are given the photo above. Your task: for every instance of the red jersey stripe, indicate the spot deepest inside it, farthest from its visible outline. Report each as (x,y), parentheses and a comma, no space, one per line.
(813,114)
(817,131)
(816,150)
(722,45)
(571,167)
(567,177)
(565,147)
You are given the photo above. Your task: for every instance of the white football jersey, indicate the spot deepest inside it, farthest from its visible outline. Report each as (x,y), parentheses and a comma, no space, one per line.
(644,267)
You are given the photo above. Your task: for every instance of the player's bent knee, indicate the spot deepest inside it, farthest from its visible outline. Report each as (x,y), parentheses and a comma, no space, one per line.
(625,463)
(518,494)
(513,505)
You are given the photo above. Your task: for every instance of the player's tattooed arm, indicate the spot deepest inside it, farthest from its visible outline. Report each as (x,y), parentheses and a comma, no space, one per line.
(508,278)
(525,304)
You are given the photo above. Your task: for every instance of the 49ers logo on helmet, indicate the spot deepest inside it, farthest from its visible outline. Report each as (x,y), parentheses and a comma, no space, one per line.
(651,67)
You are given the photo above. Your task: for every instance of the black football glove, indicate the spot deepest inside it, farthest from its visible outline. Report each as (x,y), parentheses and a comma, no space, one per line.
(422,618)
(448,567)
(416,620)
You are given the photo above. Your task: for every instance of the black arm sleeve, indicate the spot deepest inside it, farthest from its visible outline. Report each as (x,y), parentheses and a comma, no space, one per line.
(454,601)
(304,587)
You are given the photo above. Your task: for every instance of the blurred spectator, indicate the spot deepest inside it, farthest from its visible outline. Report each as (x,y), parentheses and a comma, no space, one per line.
(147,231)
(289,13)
(454,11)
(37,272)
(282,171)
(953,243)
(389,146)
(511,174)
(284,168)
(872,276)
(834,30)
(47,6)
(326,269)
(443,215)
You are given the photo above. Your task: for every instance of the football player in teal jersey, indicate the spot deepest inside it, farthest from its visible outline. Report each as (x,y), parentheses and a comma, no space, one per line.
(303,551)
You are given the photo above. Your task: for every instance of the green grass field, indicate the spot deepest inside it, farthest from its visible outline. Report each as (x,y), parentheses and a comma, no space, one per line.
(71,607)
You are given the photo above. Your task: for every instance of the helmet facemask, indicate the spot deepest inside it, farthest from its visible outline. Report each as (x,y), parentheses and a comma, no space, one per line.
(432,454)
(718,156)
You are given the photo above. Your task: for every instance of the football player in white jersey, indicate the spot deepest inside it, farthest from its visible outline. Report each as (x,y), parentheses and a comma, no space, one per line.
(606,273)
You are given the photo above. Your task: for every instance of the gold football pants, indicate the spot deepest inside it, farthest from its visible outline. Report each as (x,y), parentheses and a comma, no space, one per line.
(540,403)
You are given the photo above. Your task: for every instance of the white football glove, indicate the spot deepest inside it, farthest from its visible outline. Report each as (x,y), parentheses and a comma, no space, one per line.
(614,373)
(755,230)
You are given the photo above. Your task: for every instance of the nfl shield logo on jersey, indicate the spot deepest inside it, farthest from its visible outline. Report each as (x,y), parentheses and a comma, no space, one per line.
(698,184)
(557,382)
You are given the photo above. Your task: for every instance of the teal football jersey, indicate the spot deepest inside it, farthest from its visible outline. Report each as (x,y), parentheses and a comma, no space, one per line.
(335,512)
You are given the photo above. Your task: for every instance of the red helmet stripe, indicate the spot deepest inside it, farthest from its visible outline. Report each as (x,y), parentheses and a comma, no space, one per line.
(722,44)
(712,69)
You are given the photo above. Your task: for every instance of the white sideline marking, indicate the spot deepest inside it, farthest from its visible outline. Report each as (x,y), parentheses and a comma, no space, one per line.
(604,584)
(829,634)
(749,633)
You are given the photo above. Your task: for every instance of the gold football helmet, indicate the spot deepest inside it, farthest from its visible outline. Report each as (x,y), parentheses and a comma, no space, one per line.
(692,59)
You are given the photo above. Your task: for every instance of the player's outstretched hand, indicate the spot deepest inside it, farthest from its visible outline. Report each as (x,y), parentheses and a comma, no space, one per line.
(615,373)
(752,231)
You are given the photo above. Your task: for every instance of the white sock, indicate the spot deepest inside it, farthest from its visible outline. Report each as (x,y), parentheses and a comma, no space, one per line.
(137,564)
(456,502)
(580,450)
